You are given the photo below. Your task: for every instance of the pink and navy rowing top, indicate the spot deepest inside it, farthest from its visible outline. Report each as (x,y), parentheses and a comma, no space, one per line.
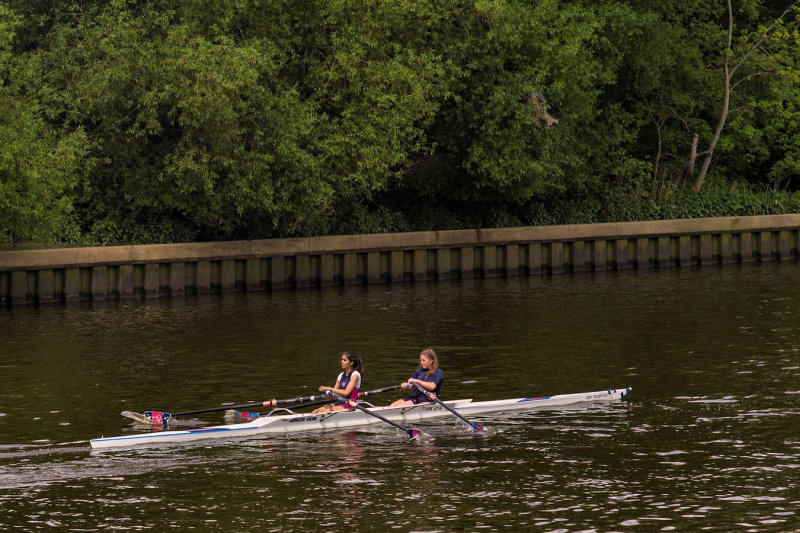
(344,380)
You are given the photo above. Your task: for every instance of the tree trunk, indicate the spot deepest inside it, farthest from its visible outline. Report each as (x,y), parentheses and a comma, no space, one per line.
(692,156)
(726,96)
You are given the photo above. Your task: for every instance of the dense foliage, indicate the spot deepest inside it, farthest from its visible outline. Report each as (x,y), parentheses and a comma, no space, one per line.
(160,121)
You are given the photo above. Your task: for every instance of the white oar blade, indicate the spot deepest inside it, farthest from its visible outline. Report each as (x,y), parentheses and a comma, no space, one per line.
(139,418)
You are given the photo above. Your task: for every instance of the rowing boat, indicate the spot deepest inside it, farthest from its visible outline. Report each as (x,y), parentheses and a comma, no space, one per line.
(291,422)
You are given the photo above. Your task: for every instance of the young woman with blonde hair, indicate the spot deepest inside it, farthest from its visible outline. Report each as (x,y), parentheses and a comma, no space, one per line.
(428,376)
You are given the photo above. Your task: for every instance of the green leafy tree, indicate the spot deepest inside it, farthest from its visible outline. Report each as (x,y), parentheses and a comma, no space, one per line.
(39,165)
(758,52)
(158,121)
(514,69)
(254,126)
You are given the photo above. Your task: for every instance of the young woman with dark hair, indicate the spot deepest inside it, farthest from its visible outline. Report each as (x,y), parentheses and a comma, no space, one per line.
(347,383)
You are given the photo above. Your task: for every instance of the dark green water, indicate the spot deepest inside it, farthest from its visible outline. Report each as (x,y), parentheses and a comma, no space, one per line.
(709,440)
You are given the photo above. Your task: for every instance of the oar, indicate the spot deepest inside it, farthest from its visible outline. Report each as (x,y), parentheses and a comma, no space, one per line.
(151,417)
(238,414)
(378,391)
(412,433)
(432,396)
(158,417)
(319,402)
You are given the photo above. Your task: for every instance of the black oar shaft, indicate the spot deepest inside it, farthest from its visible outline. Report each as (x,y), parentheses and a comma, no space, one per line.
(410,432)
(429,394)
(310,404)
(267,403)
(316,399)
(378,391)
(360,394)
(212,409)
(273,403)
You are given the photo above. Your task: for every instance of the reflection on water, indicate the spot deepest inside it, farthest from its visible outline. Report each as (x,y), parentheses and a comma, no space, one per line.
(708,441)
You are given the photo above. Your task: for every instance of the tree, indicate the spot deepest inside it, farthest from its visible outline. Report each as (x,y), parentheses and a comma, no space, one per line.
(154,121)
(264,123)
(39,165)
(760,50)
(490,138)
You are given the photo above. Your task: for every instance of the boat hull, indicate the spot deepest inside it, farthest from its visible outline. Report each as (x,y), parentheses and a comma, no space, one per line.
(540,402)
(297,422)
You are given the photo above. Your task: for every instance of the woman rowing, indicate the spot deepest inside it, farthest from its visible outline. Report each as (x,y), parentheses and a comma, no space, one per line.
(428,376)
(347,383)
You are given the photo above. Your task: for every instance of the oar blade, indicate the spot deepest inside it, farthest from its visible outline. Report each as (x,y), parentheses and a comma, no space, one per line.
(413,434)
(139,418)
(157,418)
(417,436)
(148,418)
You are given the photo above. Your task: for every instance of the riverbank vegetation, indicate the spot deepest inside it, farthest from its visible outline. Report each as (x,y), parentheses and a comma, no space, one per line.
(155,121)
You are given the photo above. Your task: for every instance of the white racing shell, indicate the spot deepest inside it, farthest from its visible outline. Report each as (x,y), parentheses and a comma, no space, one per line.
(295,422)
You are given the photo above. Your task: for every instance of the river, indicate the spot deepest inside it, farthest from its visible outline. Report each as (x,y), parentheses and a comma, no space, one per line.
(707,441)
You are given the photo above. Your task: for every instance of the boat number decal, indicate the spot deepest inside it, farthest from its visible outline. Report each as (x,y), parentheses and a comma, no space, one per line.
(426,408)
(596,396)
(303,419)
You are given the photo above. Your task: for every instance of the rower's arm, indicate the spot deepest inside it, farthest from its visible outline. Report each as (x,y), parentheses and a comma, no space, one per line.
(332,388)
(427,385)
(343,392)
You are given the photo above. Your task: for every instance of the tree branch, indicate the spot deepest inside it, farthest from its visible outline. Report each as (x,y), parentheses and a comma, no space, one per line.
(758,43)
(749,76)
(543,118)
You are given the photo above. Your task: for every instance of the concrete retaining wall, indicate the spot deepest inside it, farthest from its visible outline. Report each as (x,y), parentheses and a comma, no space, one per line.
(149,271)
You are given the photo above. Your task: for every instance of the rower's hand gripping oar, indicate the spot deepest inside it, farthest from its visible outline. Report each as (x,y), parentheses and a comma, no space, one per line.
(412,433)
(158,417)
(432,396)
